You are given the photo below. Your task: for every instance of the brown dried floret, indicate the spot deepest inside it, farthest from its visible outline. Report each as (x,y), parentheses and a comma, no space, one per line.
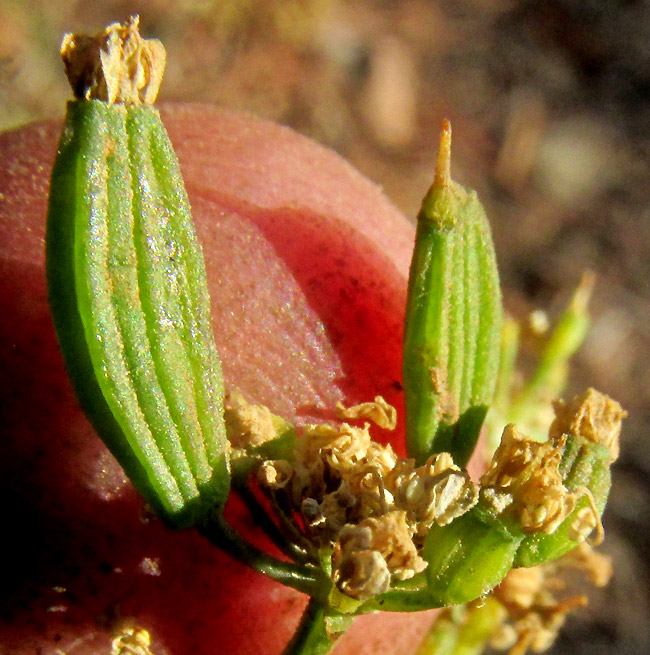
(390,536)
(584,523)
(528,472)
(352,453)
(364,553)
(362,574)
(347,478)
(535,615)
(591,415)
(328,455)
(348,488)
(275,474)
(536,630)
(339,472)
(437,492)
(596,566)
(327,518)
(116,66)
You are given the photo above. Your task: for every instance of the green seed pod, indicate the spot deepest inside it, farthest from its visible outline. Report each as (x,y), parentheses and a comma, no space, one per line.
(588,471)
(127,282)
(469,557)
(588,428)
(453,320)
(537,501)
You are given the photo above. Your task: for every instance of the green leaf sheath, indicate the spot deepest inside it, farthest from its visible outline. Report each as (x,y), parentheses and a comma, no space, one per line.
(453,322)
(130,305)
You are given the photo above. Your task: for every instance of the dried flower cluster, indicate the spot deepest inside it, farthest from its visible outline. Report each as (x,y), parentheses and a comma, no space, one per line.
(373,508)
(524,478)
(593,416)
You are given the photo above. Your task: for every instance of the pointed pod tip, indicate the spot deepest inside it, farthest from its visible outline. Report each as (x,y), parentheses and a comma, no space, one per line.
(582,295)
(443,170)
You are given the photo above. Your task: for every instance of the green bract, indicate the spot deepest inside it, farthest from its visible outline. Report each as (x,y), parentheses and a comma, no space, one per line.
(130,304)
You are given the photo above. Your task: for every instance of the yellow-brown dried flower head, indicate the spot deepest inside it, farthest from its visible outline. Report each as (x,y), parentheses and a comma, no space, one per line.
(524,476)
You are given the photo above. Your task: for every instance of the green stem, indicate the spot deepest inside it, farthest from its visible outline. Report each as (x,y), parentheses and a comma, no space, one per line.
(283,511)
(311,636)
(549,378)
(262,520)
(308,580)
(464,630)
(401,600)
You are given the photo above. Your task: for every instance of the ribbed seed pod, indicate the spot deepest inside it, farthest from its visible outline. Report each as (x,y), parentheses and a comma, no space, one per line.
(538,500)
(469,557)
(453,320)
(128,291)
(472,554)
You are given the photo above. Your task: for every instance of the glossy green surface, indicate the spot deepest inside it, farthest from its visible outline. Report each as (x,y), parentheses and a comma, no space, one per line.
(131,309)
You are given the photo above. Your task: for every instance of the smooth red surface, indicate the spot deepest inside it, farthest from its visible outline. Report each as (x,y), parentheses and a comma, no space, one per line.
(307,265)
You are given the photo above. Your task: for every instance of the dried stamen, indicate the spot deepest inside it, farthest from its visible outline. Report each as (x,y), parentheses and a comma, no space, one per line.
(535,615)
(364,554)
(379,411)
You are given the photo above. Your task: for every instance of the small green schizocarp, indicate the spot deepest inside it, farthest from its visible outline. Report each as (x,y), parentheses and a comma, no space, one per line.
(585,465)
(537,502)
(469,557)
(453,320)
(127,282)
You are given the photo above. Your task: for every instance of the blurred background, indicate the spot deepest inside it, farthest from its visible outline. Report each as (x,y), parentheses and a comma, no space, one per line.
(550,103)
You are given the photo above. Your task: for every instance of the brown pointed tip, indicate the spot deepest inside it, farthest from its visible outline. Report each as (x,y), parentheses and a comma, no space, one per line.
(443,170)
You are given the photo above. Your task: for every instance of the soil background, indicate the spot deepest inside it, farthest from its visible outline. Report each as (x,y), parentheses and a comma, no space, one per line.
(550,104)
